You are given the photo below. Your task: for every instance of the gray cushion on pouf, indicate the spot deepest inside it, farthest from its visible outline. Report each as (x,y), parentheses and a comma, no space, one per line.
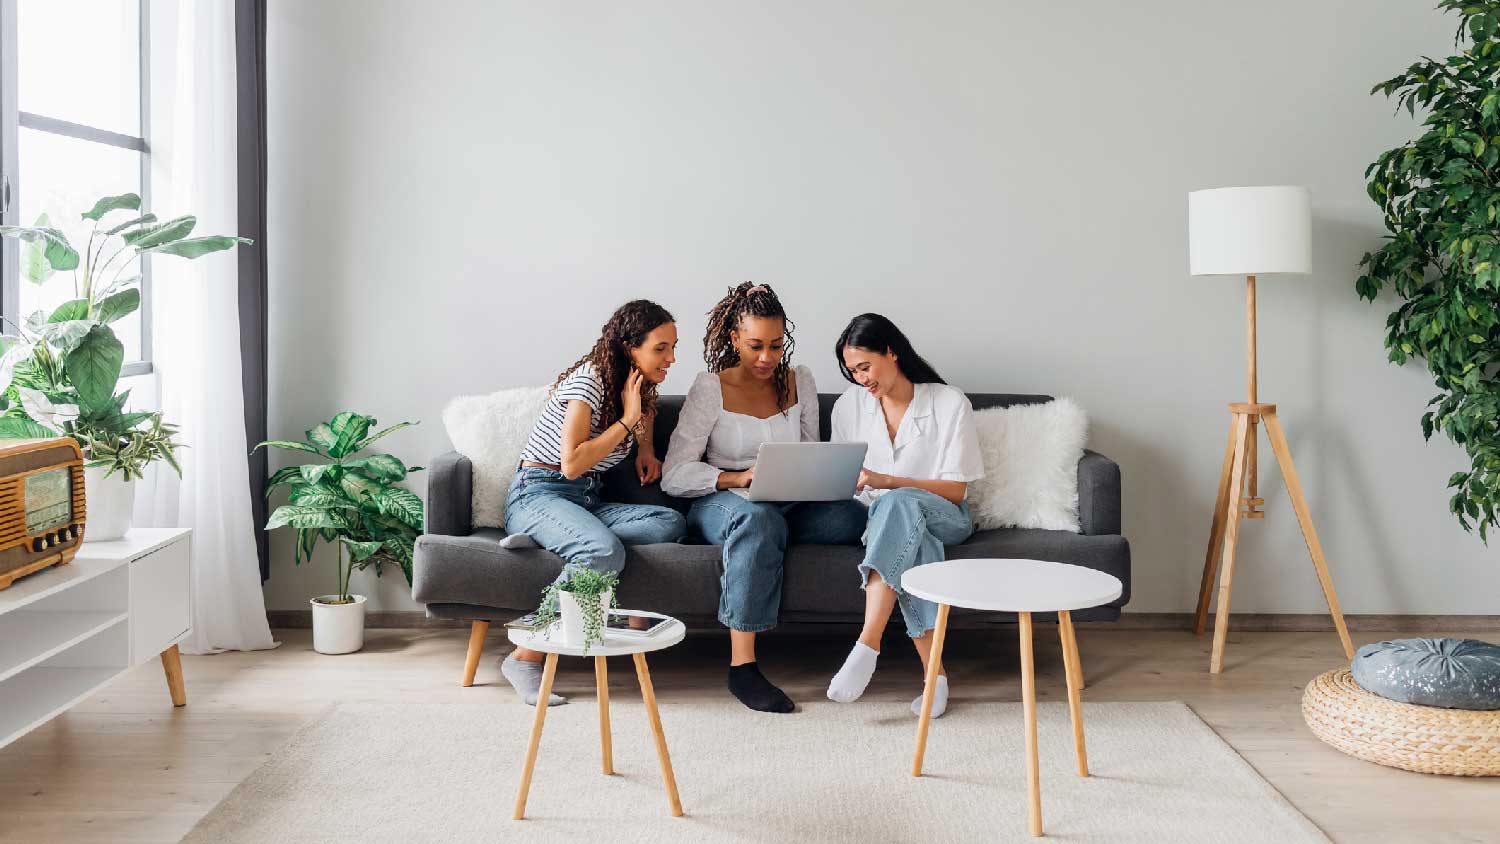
(1451,673)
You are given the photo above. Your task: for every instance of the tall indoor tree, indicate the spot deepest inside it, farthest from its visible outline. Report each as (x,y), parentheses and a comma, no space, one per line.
(1440,195)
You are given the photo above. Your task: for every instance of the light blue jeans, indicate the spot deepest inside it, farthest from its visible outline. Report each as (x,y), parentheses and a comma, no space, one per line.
(754,535)
(908,527)
(568,518)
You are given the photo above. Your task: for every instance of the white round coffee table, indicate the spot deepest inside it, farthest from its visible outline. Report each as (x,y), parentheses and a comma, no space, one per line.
(614,644)
(1022,587)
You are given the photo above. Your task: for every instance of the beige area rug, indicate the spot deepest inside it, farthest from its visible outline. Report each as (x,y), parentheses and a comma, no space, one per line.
(831,772)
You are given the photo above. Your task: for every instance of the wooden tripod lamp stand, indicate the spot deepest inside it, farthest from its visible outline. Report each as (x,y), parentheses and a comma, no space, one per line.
(1251,231)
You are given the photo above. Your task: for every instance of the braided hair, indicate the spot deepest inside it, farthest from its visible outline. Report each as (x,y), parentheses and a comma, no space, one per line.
(627,329)
(748,299)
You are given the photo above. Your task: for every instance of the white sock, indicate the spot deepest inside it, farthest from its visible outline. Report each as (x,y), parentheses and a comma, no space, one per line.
(526,678)
(939,699)
(518,541)
(847,685)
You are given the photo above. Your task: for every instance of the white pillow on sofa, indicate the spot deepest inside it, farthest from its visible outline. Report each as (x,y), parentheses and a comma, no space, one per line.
(1031,455)
(491,431)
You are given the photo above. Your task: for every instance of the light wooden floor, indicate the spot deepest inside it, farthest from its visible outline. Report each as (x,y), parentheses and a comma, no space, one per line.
(125,766)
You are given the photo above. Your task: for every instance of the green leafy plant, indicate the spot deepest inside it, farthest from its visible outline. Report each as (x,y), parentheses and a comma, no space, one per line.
(585,585)
(1440,195)
(352,502)
(59,370)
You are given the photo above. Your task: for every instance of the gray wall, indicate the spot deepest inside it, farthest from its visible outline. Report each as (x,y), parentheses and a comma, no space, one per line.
(461,191)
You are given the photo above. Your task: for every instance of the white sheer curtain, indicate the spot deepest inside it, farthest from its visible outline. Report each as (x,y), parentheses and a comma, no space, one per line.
(195,325)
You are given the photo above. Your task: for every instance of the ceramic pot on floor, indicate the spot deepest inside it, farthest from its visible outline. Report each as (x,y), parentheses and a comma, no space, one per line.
(338,628)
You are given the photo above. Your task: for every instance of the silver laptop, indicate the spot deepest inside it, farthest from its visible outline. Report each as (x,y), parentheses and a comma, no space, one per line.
(805,472)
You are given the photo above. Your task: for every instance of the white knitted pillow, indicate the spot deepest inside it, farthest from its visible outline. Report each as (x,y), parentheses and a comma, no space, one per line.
(491,431)
(1031,455)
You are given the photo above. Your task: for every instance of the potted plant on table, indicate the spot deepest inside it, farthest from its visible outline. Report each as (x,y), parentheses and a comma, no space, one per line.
(59,370)
(581,597)
(353,503)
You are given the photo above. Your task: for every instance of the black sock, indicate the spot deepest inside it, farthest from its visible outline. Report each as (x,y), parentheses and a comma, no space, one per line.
(755,691)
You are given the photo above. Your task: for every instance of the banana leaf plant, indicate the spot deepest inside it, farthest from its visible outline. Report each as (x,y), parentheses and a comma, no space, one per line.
(59,370)
(352,502)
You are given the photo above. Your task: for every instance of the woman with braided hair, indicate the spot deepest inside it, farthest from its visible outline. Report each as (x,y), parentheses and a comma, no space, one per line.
(750,394)
(598,408)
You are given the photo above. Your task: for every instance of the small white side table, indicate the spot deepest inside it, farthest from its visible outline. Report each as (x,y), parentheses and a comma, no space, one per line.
(1022,587)
(614,644)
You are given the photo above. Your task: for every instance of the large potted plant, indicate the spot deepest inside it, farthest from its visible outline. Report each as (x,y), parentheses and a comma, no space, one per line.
(354,503)
(59,370)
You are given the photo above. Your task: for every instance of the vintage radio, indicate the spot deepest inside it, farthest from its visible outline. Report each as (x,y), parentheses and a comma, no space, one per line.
(41,505)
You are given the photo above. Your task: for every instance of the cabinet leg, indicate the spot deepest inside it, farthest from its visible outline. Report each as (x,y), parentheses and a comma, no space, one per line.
(171,663)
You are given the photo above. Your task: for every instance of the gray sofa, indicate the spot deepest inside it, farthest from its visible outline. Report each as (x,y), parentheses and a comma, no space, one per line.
(462,573)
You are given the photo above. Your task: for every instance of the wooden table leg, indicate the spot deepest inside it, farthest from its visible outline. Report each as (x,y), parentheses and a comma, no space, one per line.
(934,665)
(1074,667)
(476,647)
(544,695)
(601,682)
(649,694)
(171,663)
(1028,707)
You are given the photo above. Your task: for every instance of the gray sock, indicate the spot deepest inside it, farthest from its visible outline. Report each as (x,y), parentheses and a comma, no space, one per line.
(526,678)
(518,541)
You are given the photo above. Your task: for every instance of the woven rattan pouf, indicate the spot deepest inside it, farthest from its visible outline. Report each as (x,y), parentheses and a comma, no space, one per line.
(1426,739)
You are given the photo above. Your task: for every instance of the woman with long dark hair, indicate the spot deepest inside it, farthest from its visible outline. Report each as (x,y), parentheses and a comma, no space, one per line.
(598,408)
(751,394)
(923,453)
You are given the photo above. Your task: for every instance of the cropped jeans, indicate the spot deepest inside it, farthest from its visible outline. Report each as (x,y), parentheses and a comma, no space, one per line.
(568,518)
(754,535)
(908,527)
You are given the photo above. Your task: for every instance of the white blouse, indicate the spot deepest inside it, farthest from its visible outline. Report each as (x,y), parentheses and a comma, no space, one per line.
(936,439)
(709,439)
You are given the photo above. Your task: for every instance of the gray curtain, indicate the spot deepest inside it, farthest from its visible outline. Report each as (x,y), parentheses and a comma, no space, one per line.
(250,54)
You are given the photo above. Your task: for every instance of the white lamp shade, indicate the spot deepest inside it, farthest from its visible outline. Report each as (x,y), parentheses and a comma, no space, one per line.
(1250,231)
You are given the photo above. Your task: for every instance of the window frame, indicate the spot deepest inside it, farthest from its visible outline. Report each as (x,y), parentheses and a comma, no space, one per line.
(12,120)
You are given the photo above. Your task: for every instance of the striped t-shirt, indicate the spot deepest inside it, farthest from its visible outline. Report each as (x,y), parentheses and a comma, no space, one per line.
(545,443)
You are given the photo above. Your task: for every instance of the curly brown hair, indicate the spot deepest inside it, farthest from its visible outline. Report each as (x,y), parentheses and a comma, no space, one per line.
(748,299)
(627,329)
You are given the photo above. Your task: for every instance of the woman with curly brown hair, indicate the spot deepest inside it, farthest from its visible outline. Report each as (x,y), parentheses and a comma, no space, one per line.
(598,408)
(750,394)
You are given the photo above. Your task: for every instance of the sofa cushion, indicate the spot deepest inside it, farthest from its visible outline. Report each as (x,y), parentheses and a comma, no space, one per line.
(1031,455)
(491,431)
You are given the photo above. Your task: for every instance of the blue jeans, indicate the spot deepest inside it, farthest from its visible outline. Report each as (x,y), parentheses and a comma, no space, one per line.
(567,518)
(754,535)
(908,528)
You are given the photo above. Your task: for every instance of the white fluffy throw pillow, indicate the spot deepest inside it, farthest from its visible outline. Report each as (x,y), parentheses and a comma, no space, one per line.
(491,431)
(1031,455)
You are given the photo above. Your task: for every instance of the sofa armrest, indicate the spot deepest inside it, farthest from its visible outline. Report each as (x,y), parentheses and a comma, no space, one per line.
(1098,495)
(450,489)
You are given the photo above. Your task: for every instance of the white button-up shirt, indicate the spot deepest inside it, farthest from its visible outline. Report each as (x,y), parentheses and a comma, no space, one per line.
(936,439)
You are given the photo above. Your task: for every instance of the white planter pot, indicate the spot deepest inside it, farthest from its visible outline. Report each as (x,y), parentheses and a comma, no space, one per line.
(338,628)
(572,615)
(111,504)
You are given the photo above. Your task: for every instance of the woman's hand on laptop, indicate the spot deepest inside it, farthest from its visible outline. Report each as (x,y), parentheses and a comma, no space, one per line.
(872,480)
(736,480)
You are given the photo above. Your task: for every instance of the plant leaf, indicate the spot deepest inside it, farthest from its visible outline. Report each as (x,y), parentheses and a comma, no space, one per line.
(59,253)
(314,472)
(401,503)
(117,306)
(373,437)
(322,435)
(360,550)
(70,310)
(34,265)
(301,517)
(143,220)
(290,445)
(94,366)
(113,203)
(197,247)
(349,429)
(176,228)
(380,467)
(21,428)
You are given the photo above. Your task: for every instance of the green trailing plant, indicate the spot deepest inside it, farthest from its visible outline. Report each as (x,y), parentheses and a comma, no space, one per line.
(1440,196)
(59,370)
(353,501)
(585,585)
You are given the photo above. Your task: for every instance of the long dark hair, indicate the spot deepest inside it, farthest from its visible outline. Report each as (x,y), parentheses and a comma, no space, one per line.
(748,299)
(875,333)
(627,329)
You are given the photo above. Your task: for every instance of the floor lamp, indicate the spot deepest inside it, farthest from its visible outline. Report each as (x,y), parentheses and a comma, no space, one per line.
(1249,232)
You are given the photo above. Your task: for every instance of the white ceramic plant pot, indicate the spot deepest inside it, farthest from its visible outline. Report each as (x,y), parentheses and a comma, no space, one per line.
(338,628)
(110,502)
(572,614)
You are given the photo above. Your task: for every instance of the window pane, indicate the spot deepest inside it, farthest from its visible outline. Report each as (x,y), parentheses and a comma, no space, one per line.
(63,177)
(79,60)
